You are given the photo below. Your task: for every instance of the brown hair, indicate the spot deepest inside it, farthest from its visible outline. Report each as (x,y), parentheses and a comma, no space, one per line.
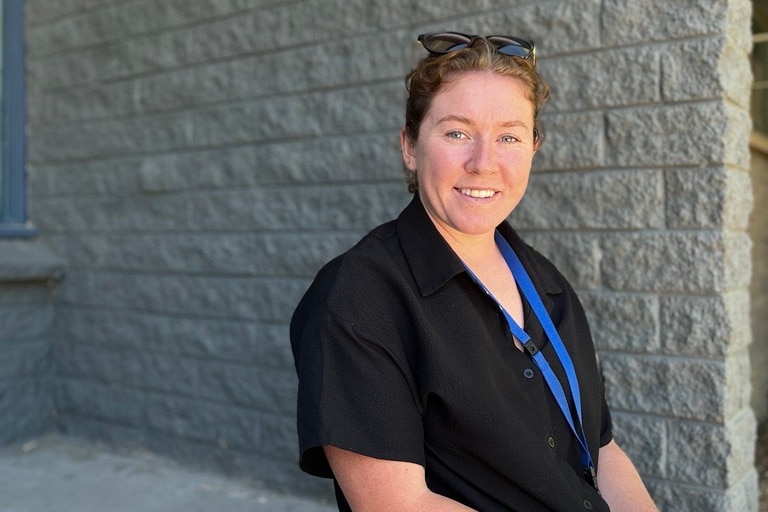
(434,71)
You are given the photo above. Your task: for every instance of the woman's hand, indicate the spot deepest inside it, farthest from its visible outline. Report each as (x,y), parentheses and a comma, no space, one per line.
(373,485)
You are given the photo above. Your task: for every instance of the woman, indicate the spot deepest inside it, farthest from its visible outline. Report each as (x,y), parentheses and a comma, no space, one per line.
(427,380)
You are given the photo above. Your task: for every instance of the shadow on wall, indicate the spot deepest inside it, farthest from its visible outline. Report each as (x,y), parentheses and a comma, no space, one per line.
(758,232)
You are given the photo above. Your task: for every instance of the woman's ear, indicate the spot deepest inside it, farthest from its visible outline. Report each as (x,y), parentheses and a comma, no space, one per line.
(407,147)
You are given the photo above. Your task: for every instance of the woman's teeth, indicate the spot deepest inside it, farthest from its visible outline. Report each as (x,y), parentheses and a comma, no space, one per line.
(476,193)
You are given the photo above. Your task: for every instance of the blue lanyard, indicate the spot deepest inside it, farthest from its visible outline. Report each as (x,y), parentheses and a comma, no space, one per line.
(532,296)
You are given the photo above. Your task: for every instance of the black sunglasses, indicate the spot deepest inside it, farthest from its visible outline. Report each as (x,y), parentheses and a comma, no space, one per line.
(440,43)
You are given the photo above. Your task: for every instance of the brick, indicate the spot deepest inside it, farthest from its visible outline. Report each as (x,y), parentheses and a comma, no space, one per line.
(279,435)
(739,201)
(263,345)
(645,439)
(738,260)
(572,141)
(737,385)
(25,396)
(687,70)
(741,435)
(256,121)
(696,198)
(328,207)
(667,137)
(705,326)
(24,360)
(113,403)
(25,322)
(736,137)
(376,107)
(556,26)
(197,420)
(691,262)
(268,254)
(682,388)
(697,454)
(258,30)
(605,200)
(127,213)
(626,23)
(335,159)
(334,64)
(129,369)
(712,455)
(267,390)
(676,497)
(39,11)
(576,255)
(623,322)
(23,424)
(93,27)
(82,178)
(609,78)
(18,293)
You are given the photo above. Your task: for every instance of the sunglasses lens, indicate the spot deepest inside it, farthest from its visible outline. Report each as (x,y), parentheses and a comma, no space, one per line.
(510,47)
(446,42)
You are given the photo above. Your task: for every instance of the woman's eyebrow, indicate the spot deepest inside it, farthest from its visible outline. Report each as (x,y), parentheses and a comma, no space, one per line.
(468,121)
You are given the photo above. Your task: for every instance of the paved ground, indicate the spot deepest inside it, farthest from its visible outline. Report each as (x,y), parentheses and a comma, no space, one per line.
(61,474)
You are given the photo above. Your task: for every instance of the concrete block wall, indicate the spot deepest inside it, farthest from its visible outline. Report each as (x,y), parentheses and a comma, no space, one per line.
(194,163)
(28,274)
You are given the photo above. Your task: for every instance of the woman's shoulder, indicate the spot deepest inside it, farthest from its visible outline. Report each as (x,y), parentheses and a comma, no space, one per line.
(369,272)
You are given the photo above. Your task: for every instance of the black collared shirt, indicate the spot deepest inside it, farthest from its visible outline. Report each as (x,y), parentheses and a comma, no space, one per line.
(402,356)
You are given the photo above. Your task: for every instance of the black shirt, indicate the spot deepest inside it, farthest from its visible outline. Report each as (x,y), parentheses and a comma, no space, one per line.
(402,356)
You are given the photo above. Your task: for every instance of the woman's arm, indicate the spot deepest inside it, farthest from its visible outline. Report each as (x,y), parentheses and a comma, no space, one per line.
(373,485)
(619,482)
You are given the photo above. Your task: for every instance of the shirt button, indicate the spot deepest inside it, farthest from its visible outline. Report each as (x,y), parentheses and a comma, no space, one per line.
(587,504)
(528,373)
(551,441)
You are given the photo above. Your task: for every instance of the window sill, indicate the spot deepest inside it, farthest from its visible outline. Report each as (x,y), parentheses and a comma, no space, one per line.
(27,260)
(15,230)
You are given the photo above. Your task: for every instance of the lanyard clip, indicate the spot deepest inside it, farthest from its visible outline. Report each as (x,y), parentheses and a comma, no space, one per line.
(590,475)
(530,347)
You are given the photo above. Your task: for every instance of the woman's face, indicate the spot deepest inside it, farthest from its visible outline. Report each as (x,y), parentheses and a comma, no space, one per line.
(474,152)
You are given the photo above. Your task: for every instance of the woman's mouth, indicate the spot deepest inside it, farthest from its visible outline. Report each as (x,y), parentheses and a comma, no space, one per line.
(477,193)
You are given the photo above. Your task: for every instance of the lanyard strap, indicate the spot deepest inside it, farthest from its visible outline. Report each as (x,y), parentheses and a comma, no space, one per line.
(532,296)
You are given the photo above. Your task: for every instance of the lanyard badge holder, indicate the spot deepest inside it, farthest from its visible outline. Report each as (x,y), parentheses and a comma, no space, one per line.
(532,296)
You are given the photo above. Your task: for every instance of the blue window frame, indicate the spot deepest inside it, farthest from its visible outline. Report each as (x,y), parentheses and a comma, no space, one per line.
(13,198)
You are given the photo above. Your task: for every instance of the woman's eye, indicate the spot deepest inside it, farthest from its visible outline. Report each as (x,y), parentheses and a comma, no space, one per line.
(455,135)
(508,138)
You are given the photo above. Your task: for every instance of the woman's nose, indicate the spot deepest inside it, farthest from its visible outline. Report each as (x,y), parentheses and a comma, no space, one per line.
(483,158)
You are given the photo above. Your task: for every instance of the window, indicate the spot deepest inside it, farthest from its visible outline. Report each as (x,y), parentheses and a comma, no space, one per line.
(13,204)
(759,102)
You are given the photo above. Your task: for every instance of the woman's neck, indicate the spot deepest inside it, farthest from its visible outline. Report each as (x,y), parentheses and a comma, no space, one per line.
(472,249)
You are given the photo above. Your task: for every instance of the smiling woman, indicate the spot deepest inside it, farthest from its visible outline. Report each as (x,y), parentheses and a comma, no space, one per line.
(443,363)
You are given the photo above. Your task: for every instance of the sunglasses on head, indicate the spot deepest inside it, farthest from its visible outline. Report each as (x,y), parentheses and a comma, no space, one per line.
(440,43)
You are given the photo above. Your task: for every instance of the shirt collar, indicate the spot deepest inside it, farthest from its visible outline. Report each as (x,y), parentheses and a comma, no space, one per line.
(433,262)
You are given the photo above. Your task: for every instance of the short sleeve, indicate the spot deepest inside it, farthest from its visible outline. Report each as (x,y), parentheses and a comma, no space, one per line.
(606,423)
(355,393)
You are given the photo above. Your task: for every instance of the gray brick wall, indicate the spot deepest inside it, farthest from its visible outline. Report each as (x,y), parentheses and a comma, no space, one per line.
(194,163)
(28,273)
